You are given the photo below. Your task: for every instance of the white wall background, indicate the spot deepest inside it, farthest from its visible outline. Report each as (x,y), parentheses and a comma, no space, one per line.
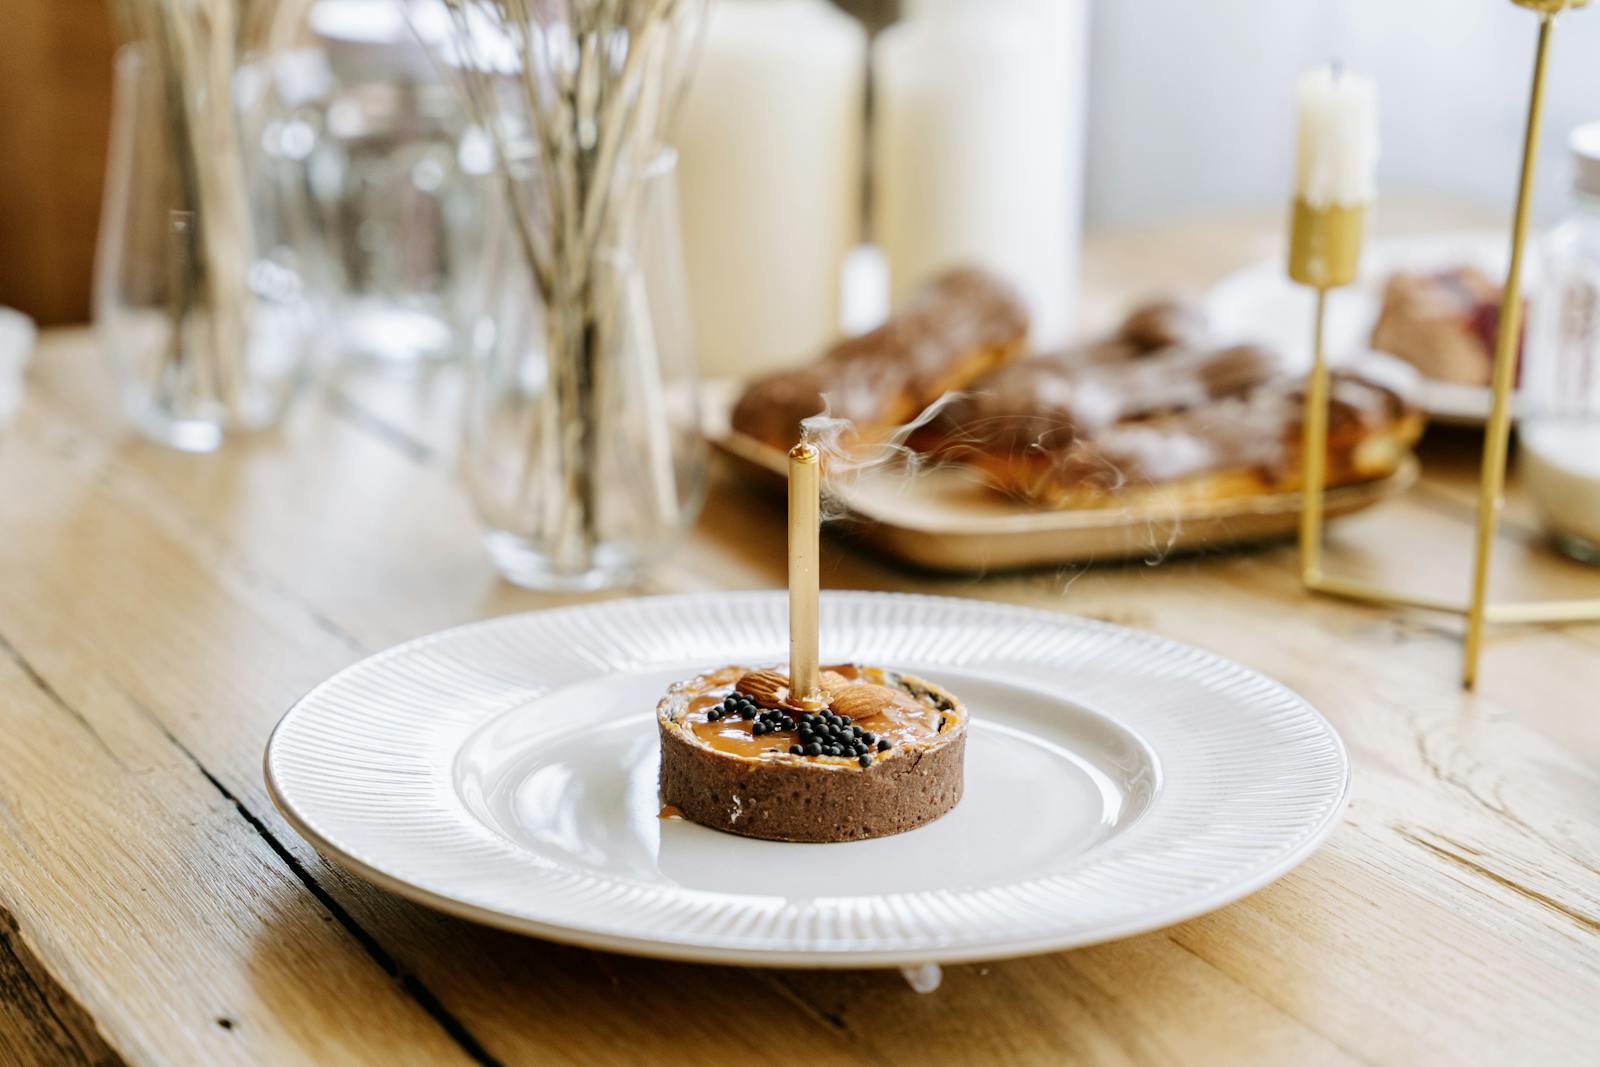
(1191,101)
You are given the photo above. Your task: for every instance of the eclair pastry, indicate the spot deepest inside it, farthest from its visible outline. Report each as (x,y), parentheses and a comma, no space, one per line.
(1247,444)
(1115,424)
(955,329)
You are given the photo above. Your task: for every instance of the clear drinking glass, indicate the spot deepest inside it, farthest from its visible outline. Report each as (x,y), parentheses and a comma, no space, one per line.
(643,457)
(202,299)
(399,179)
(1559,427)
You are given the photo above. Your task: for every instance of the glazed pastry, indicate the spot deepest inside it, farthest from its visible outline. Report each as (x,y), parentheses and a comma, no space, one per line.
(1162,324)
(1443,323)
(875,753)
(1046,400)
(1148,329)
(1146,416)
(1241,444)
(958,327)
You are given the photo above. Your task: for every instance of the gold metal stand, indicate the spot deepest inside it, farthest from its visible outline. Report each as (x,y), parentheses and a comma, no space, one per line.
(1303,268)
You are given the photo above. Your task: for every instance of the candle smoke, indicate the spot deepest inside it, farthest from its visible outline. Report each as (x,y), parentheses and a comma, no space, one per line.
(903,457)
(846,457)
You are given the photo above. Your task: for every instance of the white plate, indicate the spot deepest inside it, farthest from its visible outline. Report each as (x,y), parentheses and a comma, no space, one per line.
(1260,303)
(506,772)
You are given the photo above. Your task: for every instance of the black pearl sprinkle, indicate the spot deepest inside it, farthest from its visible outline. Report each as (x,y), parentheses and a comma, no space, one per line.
(815,733)
(714,714)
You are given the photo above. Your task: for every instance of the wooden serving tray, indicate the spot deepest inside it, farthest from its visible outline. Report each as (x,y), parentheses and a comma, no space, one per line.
(945,520)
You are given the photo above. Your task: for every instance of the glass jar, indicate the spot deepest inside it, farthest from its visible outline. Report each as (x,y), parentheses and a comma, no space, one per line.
(586,493)
(201,297)
(1559,427)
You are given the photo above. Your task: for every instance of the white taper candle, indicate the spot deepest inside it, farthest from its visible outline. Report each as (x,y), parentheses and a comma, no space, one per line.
(1336,144)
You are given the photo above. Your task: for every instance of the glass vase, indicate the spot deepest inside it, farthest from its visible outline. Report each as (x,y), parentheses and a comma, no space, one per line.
(582,445)
(1559,424)
(201,300)
(398,179)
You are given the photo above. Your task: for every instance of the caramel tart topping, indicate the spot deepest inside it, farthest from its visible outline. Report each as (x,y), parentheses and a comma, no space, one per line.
(861,714)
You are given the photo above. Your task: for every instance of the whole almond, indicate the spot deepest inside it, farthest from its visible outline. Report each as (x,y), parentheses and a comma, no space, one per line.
(770,689)
(767,688)
(861,701)
(833,681)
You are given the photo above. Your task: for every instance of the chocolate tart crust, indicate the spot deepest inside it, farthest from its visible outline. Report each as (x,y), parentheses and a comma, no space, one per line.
(780,797)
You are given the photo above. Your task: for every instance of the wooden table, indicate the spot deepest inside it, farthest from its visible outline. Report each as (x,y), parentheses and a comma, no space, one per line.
(158,612)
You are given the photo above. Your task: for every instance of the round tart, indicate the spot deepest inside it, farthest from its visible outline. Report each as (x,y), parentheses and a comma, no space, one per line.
(874,753)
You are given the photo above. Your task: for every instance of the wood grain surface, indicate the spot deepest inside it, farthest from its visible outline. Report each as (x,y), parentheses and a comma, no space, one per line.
(158,612)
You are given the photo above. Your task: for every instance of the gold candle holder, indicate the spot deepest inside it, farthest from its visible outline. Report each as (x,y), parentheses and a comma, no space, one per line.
(1324,250)
(1478,610)
(1325,243)
(805,526)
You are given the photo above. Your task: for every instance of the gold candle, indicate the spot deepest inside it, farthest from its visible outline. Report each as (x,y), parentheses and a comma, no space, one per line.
(805,524)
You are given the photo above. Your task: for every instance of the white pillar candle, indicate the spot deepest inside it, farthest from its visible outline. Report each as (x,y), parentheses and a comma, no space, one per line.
(770,146)
(977,147)
(1336,142)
